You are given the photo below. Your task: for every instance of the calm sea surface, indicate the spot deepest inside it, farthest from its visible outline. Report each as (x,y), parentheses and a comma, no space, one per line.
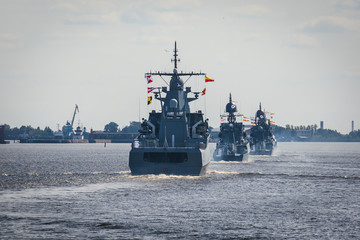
(86,191)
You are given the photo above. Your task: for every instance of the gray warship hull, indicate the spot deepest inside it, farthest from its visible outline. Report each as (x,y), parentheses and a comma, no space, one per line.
(262,152)
(236,157)
(263,149)
(220,154)
(169,161)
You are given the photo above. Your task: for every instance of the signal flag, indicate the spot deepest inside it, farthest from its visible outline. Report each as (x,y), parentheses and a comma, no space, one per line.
(150,89)
(203,92)
(208,79)
(149,79)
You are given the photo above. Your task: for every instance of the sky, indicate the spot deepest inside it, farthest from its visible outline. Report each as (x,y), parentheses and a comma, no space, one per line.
(300,59)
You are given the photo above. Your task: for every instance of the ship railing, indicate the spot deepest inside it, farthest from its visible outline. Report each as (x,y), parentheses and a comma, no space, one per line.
(141,143)
(171,114)
(155,144)
(179,148)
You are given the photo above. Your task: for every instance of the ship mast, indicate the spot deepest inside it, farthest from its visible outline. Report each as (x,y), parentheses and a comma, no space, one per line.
(231,110)
(175,60)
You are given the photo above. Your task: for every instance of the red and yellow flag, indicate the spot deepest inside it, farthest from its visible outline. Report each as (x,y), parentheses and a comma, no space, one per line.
(203,91)
(208,79)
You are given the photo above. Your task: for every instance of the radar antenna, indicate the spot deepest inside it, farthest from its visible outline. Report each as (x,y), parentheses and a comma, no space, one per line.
(175,60)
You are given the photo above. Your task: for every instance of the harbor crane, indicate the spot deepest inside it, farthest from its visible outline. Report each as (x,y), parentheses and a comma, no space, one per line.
(68,128)
(76,109)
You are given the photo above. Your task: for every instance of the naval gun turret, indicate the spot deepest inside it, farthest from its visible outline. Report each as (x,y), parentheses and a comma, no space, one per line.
(174,140)
(233,145)
(262,141)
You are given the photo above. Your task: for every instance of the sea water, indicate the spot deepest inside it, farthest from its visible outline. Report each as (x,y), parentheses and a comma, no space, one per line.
(86,191)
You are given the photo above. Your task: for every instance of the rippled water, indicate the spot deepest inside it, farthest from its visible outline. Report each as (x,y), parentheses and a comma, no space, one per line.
(86,191)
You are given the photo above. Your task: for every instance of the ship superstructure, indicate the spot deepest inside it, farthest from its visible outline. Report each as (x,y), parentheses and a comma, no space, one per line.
(174,140)
(233,145)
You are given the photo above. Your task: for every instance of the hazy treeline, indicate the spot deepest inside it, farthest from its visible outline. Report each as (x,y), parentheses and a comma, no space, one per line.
(17,133)
(48,133)
(287,133)
(312,133)
(113,127)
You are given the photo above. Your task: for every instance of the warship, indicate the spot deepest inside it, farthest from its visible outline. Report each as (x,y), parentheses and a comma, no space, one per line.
(233,145)
(263,141)
(173,141)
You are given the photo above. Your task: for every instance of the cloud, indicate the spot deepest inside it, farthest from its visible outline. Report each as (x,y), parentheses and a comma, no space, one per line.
(300,40)
(174,6)
(252,11)
(67,6)
(331,24)
(348,4)
(352,72)
(85,12)
(137,17)
(143,15)
(92,19)
(8,37)
(9,41)
(251,37)
(82,6)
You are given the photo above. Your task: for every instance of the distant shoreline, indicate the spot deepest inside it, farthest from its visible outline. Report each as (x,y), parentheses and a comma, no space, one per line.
(330,140)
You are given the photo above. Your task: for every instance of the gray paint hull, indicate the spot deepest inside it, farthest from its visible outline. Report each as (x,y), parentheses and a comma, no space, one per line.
(262,149)
(170,161)
(262,152)
(236,157)
(221,154)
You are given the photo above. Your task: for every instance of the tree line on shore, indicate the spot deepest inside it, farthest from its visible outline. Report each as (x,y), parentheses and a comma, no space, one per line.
(312,133)
(287,133)
(47,133)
